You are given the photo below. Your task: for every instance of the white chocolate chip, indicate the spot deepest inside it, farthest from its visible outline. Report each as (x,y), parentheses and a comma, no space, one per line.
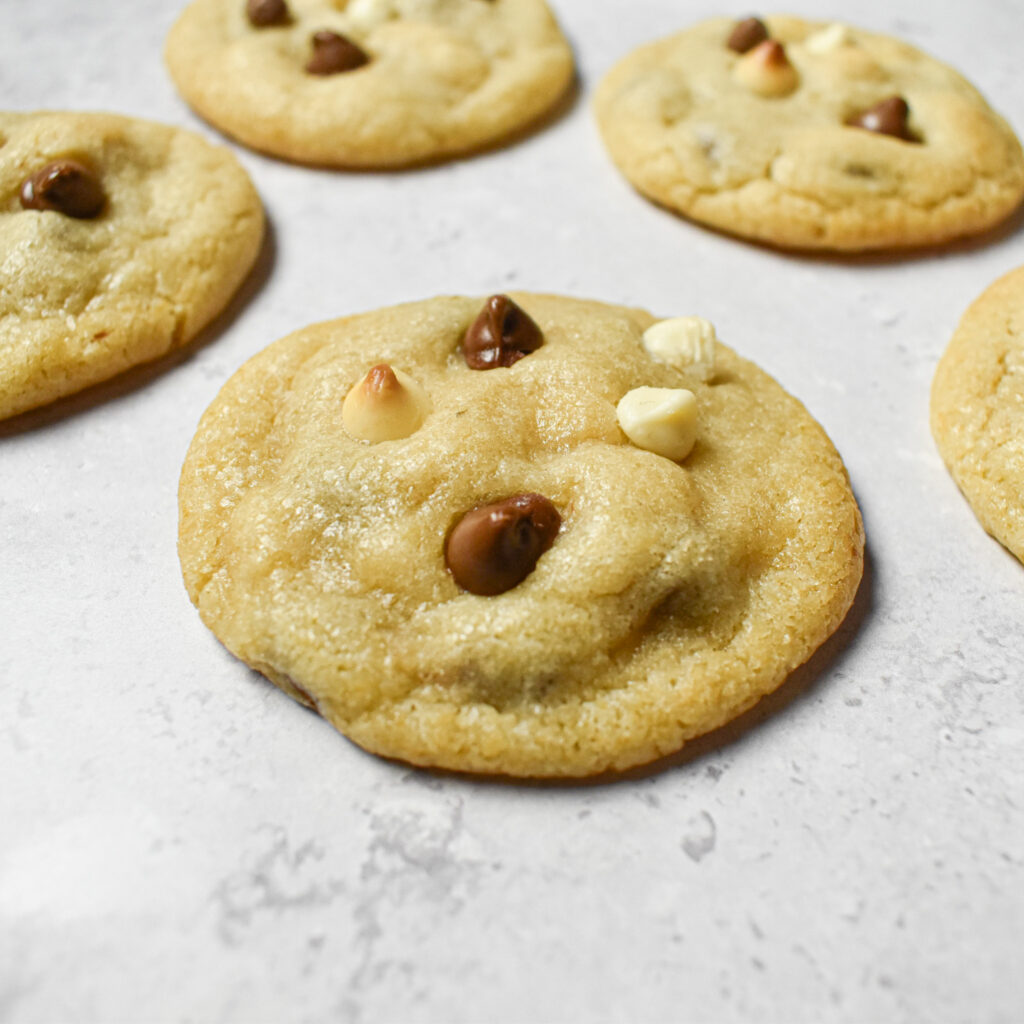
(660,420)
(368,14)
(686,342)
(827,40)
(766,70)
(385,405)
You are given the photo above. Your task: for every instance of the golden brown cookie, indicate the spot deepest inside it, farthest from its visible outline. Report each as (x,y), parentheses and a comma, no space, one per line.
(364,83)
(120,239)
(808,135)
(530,535)
(977,409)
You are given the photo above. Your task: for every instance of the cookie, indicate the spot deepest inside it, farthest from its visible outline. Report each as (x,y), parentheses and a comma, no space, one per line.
(532,535)
(120,239)
(977,409)
(807,135)
(369,83)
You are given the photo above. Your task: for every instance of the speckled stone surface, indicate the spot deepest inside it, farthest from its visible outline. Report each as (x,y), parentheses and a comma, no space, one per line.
(181,842)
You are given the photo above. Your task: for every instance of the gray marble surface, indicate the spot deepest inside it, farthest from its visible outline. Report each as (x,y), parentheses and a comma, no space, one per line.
(180,842)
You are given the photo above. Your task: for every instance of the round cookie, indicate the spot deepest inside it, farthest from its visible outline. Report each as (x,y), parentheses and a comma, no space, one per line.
(977,409)
(120,239)
(802,139)
(660,598)
(385,83)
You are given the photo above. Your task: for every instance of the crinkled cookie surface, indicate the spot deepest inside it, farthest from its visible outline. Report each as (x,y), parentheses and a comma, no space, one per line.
(977,409)
(673,596)
(745,144)
(440,77)
(83,298)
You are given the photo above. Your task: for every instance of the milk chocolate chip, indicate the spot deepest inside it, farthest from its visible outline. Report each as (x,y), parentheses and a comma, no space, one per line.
(501,335)
(65,186)
(333,53)
(495,547)
(889,117)
(747,34)
(263,13)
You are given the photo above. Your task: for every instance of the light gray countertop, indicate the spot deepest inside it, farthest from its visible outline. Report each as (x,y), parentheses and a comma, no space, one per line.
(181,842)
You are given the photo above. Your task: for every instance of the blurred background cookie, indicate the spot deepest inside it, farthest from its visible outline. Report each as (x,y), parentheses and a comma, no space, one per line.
(120,240)
(977,409)
(369,82)
(809,135)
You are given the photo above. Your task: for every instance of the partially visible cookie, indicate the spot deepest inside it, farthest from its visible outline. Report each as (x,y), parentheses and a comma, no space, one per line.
(119,240)
(808,135)
(526,535)
(977,409)
(364,83)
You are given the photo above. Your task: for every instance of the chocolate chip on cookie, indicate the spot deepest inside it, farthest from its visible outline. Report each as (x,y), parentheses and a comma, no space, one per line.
(384,406)
(264,13)
(501,335)
(686,342)
(767,70)
(334,53)
(65,186)
(660,420)
(495,547)
(746,34)
(888,117)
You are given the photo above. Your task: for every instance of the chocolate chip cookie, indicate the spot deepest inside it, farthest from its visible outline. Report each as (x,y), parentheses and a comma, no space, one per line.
(527,535)
(977,409)
(120,239)
(809,135)
(364,83)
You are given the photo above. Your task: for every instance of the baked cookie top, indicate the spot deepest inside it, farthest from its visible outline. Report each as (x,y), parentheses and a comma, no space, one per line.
(364,83)
(809,135)
(430,523)
(119,239)
(977,409)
